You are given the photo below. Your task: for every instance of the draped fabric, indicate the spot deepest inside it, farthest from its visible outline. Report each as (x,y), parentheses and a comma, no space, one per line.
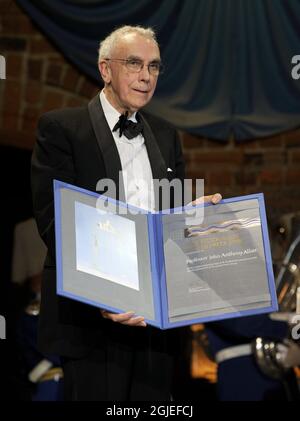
(228,62)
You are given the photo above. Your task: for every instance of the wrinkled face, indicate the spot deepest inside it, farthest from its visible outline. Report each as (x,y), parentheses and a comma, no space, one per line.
(127,90)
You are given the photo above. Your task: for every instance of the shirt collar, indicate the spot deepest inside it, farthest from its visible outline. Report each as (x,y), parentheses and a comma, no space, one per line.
(111,114)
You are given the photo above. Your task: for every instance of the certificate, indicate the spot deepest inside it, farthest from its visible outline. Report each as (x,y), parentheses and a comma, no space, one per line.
(172,268)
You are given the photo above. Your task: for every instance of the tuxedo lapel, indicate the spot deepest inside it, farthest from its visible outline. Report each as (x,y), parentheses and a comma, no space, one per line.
(107,146)
(158,165)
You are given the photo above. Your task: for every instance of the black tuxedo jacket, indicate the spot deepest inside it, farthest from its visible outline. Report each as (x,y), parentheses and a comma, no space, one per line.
(76,146)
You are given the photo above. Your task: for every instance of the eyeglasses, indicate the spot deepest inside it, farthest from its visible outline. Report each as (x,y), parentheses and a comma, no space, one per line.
(135,65)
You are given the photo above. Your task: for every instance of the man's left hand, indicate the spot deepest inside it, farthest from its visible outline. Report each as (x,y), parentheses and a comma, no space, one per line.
(213,198)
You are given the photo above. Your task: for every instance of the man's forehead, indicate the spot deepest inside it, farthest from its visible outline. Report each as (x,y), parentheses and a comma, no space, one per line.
(136,45)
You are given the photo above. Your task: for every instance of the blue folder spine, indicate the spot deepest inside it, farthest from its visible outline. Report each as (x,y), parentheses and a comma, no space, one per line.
(162,271)
(155,267)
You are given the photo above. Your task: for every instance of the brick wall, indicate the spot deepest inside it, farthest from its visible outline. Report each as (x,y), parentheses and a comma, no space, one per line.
(40,79)
(269,165)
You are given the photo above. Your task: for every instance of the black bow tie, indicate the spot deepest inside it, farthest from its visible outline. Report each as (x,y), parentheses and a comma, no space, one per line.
(128,127)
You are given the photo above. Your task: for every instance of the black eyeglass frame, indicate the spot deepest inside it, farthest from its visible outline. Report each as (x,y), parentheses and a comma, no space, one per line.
(129,61)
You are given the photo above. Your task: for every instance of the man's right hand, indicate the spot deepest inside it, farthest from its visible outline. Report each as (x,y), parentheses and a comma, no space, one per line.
(128,318)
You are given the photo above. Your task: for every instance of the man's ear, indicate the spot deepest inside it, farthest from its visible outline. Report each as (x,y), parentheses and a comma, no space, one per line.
(105,71)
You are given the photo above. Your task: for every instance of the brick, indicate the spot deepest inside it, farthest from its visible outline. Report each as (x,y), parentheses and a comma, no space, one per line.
(224,157)
(193,175)
(10,121)
(221,178)
(292,138)
(30,113)
(53,76)
(12,44)
(9,7)
(30,118)
(187,157)
(273,177)
(52,100)
(34,69)
(75,102)
(88,89)
(4,6)
(30,126)
(293,177)
(245,190)
(253,159)
(271,142)
(213,143)
(27,27)
(245,178)
(294,155)
(248,144)
(12,96)
(278,157)
(33,92)
(17,24)
(71,79)
(58,59)
(191,142)
(41,46)
(14,65)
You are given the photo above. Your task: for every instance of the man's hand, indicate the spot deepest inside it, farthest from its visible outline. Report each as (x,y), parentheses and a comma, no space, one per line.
(213,198)
(128,318)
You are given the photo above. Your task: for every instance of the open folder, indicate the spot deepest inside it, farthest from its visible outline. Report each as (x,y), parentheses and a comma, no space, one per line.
(189,265)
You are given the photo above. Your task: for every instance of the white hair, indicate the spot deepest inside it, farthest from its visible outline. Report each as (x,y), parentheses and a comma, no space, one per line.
(107,45)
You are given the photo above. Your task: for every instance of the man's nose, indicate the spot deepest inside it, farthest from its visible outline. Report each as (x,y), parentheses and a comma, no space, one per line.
(144,73)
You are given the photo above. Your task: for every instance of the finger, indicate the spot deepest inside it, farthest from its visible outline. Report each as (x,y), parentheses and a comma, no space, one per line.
(123,317)
(213,198)
(135,321)
(117,317)
(141,324)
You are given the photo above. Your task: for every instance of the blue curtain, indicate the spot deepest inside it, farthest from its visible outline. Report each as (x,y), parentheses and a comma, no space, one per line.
(228,62)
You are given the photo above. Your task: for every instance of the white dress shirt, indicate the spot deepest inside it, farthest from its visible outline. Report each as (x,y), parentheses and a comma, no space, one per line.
(136,169)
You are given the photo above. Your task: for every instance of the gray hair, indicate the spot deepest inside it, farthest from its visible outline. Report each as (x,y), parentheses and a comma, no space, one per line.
(107,45)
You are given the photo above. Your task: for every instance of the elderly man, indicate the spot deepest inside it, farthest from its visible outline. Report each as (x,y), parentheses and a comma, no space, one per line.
(107,356)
